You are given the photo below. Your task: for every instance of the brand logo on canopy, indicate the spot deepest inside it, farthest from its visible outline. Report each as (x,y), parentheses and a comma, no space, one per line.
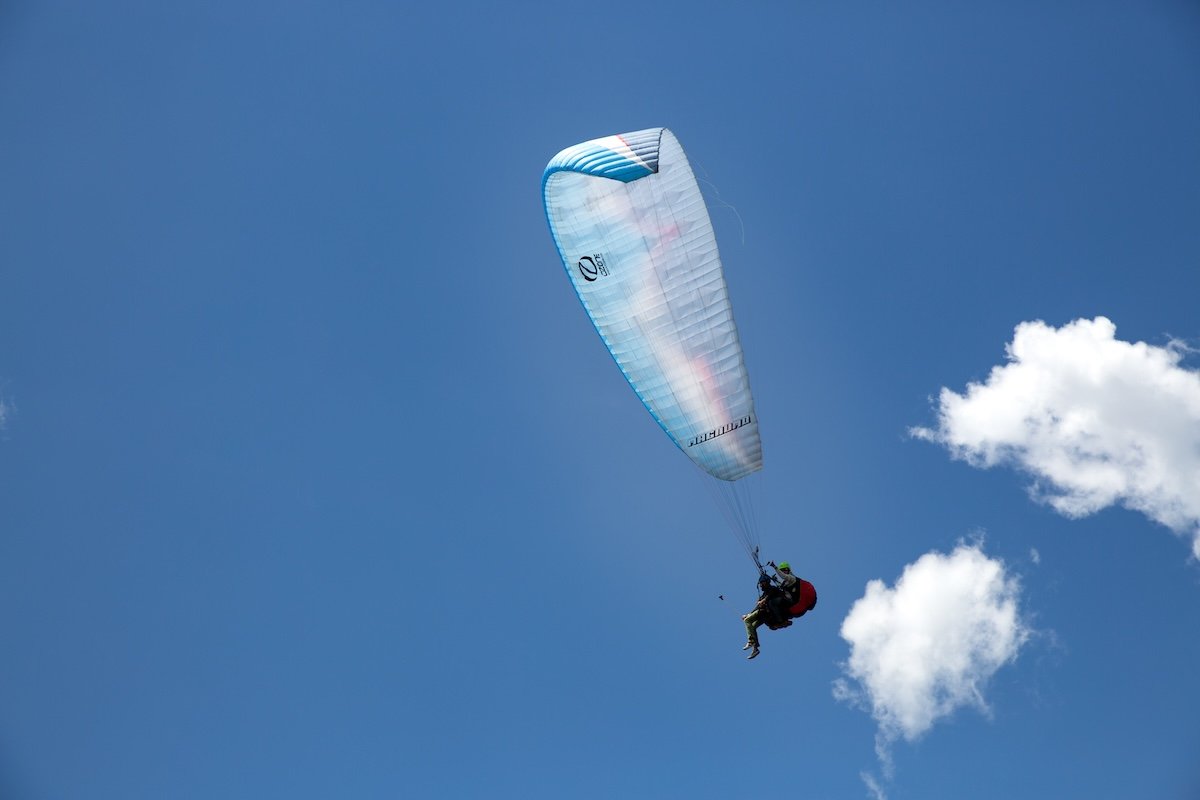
(592,267)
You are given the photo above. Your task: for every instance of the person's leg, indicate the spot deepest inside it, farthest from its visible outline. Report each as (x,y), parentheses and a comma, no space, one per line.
(752,620)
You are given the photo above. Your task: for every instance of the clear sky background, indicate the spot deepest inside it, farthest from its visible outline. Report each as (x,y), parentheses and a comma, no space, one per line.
(316,481)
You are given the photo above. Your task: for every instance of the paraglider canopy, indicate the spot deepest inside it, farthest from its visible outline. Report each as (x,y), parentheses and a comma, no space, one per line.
(636,241)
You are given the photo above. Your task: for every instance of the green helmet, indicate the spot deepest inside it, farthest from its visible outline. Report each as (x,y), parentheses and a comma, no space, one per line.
(785,565)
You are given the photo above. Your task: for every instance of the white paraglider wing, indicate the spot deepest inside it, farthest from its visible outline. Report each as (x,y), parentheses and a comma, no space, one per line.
(635,238)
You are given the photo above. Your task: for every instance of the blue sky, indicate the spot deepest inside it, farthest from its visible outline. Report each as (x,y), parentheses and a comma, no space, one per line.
(316,481)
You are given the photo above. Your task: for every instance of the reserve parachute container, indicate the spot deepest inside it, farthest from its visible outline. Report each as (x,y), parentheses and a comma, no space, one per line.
(635,238)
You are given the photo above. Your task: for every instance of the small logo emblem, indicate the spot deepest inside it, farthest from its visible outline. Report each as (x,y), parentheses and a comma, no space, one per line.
(592,267)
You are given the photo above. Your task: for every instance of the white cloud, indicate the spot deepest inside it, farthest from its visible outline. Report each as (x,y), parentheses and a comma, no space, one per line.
(874,790)
(1096,421)
(922,650)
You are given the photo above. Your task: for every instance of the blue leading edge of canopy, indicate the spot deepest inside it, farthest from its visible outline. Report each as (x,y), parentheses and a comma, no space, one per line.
(598,157)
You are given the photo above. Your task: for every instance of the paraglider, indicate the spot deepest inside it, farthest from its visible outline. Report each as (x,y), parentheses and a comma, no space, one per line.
(634,235)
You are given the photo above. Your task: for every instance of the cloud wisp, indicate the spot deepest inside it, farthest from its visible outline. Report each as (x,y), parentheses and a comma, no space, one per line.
(923,649)
(1095,420)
